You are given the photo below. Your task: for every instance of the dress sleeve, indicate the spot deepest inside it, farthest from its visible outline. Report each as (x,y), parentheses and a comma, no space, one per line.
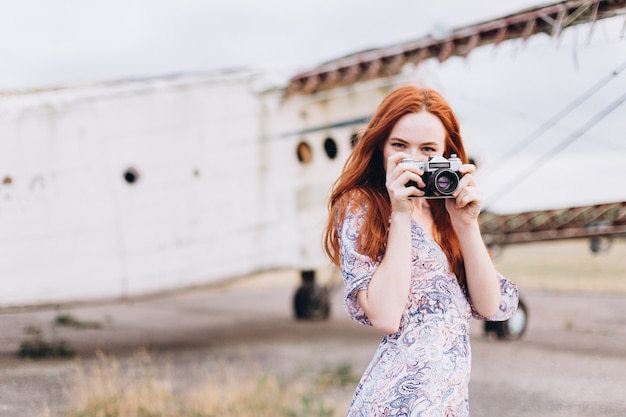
(509,299)
(357,269)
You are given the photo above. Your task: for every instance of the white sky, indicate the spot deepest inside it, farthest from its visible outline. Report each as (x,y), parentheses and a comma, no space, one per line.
(45,42)
(501,94)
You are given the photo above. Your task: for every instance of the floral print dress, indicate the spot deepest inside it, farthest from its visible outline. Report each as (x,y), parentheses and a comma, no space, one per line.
(423,369)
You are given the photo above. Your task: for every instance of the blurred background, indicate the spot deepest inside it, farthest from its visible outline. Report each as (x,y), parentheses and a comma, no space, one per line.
(502,94)
(69,41)
(147,150)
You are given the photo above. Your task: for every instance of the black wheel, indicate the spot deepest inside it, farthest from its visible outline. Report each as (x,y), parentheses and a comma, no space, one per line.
(311,301)
(511,329)
(514,328)
(599,244)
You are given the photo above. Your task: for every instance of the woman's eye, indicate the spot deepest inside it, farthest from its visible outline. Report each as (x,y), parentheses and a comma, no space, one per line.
(398,145)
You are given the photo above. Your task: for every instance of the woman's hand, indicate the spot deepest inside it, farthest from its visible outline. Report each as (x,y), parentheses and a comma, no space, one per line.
(465,207)
(481,277)
(398,174)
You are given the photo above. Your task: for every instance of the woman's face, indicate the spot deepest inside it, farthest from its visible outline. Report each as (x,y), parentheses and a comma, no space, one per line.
(419,135)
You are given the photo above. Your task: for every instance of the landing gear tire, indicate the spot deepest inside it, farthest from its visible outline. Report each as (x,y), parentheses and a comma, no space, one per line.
(511,329)
(311,301)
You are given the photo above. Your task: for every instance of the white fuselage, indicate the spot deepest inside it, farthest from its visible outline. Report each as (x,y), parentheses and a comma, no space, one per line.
(219,190)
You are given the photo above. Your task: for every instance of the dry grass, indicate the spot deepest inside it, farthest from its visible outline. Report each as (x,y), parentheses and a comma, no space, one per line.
(138,388)
(109,388)
(565,266)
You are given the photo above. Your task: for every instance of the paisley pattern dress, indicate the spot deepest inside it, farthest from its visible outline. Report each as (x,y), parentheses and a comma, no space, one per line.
(424,368)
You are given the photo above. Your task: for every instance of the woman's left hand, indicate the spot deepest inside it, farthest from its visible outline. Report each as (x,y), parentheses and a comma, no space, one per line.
(465,207)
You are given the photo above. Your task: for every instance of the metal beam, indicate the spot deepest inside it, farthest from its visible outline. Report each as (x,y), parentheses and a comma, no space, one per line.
(550,19)
(575,222)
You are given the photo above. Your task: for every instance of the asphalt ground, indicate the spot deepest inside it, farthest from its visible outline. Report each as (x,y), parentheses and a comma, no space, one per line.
(570,362)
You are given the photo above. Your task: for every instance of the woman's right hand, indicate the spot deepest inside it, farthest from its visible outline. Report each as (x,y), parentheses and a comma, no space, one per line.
(397,175)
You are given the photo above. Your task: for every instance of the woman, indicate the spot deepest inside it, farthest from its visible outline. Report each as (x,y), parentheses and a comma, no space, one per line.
(414,268)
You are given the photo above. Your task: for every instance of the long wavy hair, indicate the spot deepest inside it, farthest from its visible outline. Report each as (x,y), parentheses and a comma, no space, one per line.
(363,178)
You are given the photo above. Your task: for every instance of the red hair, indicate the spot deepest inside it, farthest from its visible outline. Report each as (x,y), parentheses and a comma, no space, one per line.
(363,178)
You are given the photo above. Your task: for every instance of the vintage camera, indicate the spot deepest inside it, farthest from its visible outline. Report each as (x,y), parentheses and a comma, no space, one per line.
(441,175)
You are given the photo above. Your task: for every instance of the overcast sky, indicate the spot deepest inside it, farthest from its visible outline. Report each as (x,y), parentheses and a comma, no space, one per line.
(46,42)
(502,94)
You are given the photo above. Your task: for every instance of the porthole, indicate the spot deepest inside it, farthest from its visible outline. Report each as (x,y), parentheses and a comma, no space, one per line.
(354,139)
(330,146)
(304,152)
(131,175)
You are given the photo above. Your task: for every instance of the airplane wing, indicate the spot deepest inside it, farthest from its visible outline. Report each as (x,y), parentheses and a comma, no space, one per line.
(550,19)
(594,221)
(600,223)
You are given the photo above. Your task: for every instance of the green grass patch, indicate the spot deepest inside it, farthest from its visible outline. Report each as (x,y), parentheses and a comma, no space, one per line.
(65,319)
(36,346)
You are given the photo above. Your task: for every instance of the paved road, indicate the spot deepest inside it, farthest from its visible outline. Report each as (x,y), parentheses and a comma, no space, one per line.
(571,361)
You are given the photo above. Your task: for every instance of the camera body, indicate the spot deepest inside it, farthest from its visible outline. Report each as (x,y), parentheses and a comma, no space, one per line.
(441,175)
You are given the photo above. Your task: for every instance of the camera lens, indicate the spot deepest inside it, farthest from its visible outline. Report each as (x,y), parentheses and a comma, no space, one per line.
(446,182)
(443,183)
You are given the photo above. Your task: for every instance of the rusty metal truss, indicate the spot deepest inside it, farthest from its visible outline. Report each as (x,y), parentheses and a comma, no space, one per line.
(550,19)
(602,220)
